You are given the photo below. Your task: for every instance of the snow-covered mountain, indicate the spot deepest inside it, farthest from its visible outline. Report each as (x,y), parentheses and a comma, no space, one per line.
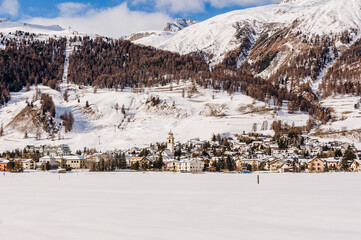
(178,24)
(9,26)
(290,44)
(170,29)
(221,34)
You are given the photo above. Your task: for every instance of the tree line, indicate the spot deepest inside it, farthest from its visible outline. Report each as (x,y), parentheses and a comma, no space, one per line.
(27,62)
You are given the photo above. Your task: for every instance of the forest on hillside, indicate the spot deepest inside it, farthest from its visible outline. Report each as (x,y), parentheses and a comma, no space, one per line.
(26,61)
(109,63)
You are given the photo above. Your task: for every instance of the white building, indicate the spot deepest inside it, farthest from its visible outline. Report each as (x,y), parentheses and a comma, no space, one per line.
(190,165)
(48,159)
(47,150)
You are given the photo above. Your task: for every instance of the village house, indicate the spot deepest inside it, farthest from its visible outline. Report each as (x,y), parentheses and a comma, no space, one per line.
(47,150)
(4,165)
(333,164)
(207,162)
(134,160)
(275,165)
(171,165)
(241,164)
(29,164)
(73,161)
(190,165)
(316,165)
(144,162)
(48,159)
(285,168)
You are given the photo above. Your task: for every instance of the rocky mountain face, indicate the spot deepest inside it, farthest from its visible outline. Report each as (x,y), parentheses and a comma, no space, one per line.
(178,24)
(294,42)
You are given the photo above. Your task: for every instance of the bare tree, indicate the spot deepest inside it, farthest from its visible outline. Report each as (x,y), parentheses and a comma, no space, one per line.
(254,127)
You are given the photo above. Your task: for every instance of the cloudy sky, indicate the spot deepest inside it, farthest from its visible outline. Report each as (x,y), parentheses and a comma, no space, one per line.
(117,18)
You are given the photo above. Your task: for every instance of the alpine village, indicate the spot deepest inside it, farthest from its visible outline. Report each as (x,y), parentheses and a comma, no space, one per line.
(244,153)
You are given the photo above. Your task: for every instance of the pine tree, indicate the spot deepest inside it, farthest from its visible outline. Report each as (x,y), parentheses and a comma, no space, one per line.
(1,130)
(347,157)
(159,162)
(230,164)
(254,127)
(221,164)
(66,96)
(48,166)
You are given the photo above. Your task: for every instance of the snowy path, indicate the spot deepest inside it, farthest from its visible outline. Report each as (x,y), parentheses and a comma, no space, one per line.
(176,206)
(68,51)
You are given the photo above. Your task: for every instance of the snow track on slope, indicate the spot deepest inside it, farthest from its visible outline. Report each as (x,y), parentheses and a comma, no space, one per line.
(68,51)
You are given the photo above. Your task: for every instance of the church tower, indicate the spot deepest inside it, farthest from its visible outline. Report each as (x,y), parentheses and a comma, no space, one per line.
(170,142)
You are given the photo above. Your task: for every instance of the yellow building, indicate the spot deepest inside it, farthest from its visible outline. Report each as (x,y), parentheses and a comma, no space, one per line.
(316,165)
(73,161)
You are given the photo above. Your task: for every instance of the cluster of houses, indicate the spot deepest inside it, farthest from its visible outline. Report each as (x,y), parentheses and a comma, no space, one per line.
(241,153)
(53,157)
(258,153)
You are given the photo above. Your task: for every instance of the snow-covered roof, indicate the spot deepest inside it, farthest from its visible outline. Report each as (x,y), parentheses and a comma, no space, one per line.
(73,157)
(4,161)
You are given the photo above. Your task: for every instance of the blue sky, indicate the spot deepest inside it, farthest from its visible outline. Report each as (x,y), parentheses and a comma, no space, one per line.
(117,17)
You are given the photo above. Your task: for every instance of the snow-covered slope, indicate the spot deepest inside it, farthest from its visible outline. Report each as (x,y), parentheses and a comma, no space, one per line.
(215,36)
(7,26)
(221,34)
(104,127)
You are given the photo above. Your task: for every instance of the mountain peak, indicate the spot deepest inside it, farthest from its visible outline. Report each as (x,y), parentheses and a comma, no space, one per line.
(178,24)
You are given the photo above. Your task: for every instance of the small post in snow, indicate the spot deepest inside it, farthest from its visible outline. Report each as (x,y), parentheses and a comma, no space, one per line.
(257,179)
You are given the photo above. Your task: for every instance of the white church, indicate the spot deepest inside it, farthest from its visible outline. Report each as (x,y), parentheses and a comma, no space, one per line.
(169,151)
(185,165)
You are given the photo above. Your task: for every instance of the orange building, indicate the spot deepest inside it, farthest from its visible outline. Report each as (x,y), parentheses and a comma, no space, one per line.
(3,165)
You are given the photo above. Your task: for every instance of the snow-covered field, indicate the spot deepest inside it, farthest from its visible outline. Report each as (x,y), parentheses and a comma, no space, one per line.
(179,206)
(103,127)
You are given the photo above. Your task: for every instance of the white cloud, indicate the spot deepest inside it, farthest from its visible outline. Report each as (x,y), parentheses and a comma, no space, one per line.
(186,6)
(72,8)
(113,22)
(10,7)
(174,6)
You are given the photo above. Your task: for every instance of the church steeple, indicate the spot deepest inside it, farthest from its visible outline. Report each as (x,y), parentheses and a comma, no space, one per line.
(170,142)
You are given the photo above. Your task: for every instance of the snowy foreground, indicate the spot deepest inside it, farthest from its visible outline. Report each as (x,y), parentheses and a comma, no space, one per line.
(179,206)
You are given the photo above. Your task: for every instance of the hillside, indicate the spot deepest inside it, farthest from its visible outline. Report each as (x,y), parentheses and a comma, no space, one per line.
(294,61)
(200,113)
(291,43)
